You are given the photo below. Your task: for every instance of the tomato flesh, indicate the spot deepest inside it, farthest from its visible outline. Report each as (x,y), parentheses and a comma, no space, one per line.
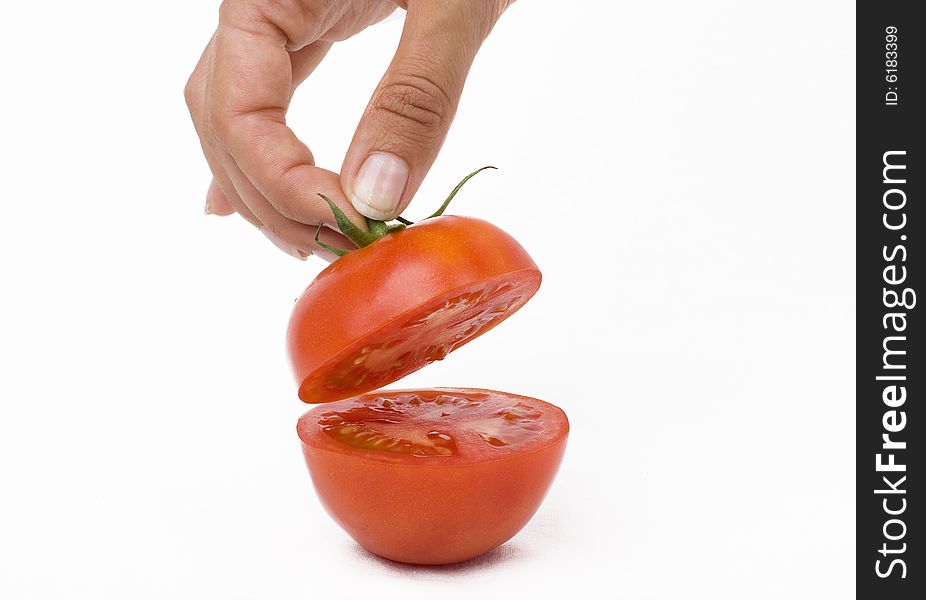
(423,336)
(433,476)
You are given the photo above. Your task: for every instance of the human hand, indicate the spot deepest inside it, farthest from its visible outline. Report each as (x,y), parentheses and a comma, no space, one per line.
(240,90)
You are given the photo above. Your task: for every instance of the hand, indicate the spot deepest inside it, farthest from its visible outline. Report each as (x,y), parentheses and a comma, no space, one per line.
(240,91)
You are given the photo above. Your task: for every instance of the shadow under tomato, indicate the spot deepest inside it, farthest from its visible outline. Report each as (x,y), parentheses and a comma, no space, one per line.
(502,555)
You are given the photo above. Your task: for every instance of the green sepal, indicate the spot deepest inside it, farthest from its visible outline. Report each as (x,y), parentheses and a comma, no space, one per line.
(332,249)
(359,237)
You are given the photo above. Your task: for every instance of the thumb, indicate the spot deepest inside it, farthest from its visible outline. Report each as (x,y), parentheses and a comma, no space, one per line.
(406,121)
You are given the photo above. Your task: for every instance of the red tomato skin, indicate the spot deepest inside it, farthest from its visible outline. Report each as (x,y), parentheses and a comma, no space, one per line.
(433,512)
(368,288)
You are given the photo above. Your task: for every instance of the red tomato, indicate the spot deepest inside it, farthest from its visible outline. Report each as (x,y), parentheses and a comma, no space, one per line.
(408,299)
(433,476)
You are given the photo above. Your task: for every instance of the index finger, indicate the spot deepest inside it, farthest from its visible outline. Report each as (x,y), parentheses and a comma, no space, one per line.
(247,97)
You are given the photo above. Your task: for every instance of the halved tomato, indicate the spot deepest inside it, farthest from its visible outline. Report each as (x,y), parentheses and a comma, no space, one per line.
(409,298)
(433,476)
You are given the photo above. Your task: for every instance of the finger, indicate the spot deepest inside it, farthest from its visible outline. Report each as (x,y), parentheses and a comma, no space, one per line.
(226,187)
(247,98)
(407,118)
(216,202)
(293,237)
(195,94)
(221,198)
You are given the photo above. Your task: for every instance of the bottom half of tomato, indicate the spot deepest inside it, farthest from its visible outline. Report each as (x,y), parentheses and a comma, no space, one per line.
(433,476)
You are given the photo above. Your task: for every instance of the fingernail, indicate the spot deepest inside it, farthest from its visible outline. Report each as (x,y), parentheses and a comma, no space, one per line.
(379,185)
(210,194)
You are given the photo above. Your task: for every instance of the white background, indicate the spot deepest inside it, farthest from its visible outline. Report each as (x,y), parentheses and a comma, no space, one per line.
(682,172)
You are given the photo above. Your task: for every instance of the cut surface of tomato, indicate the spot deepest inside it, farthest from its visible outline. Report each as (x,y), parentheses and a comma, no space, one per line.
(424,335)
(433,476)
(406,300)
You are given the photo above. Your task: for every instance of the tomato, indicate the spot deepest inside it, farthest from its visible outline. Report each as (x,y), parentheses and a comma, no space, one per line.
(433,476)
(409,298)
(422,476)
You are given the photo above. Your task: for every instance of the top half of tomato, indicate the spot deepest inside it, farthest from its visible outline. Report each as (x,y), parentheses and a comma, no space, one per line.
(385,310)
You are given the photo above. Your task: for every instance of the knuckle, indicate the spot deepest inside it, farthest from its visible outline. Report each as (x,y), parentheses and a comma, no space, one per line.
(293,20)
(415,104)
(188,92)
(236,12)
(192,95)
(246,132)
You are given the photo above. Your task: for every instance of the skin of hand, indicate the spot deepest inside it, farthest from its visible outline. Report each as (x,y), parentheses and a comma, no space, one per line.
(240,90)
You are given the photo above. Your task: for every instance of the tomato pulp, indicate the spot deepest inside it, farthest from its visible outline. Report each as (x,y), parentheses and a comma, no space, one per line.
(406,300)
(433,476)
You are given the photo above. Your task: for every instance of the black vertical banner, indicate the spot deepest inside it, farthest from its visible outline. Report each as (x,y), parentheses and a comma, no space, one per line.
(890,369)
